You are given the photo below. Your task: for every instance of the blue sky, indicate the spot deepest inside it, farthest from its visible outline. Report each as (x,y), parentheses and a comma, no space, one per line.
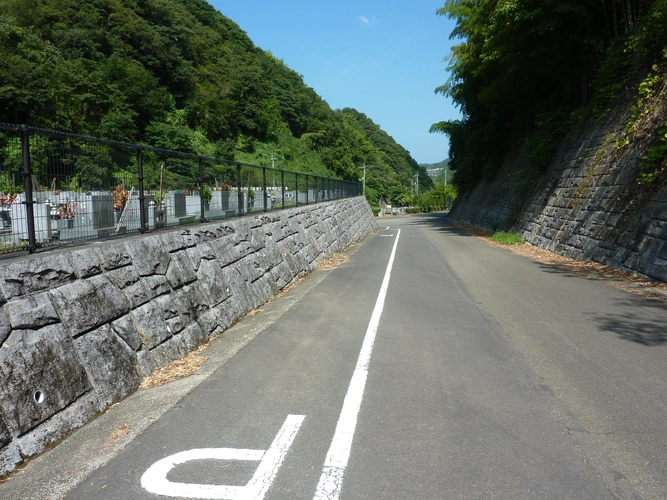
(383,58)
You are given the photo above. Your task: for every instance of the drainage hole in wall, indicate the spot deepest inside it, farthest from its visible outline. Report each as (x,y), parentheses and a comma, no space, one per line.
(39,397)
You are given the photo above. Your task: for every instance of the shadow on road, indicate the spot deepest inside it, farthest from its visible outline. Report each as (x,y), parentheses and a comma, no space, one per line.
(438,220)
(641,319)
(633,323)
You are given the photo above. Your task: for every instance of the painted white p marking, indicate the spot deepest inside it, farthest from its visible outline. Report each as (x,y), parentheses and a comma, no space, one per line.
(155,478)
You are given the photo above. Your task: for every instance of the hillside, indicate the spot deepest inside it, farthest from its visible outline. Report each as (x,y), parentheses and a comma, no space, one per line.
(524,72)
(439,172)
(563,136)
(178,75)
(592,202)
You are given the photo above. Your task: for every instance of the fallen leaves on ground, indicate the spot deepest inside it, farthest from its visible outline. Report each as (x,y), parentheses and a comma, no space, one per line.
(118,432)
(289,287)
(334,261)
(178,369)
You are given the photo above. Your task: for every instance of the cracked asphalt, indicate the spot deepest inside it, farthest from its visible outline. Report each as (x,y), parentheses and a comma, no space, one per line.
(492,376)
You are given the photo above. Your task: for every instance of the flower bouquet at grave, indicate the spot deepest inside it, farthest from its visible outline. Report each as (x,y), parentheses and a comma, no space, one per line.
(120,196)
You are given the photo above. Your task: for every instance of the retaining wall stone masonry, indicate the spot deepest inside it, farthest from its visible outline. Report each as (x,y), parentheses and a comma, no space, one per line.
(80,328)
(588,205)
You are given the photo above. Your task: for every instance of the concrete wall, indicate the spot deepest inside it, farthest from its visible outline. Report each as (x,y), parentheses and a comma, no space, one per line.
(81,328)
(589,204)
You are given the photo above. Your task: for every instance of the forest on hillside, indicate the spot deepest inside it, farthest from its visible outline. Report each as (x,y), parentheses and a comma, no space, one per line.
(179,75)
(525,71)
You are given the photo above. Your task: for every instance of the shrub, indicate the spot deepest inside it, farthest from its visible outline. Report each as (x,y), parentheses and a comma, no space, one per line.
(507,238)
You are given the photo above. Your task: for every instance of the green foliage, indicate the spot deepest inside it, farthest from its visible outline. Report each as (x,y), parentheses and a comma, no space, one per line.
(437,198)
(507,238)
(206,194)
(654,163)
(523,68)
(543,142)
(177,75)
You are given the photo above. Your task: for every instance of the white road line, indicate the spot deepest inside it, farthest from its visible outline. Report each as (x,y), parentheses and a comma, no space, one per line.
(155,478)
(331,480)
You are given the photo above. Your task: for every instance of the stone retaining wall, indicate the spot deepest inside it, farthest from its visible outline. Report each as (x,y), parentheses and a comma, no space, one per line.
(81,328)
(588,205)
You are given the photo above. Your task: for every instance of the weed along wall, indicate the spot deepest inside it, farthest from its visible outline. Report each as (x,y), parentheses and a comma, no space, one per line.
(81,328)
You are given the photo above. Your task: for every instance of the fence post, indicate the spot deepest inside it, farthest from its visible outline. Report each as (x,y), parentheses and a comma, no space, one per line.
(282,187)
(315,189)
(143,222)
(202,206)
(264,186)
(239,193)
(296,187)
(27,187)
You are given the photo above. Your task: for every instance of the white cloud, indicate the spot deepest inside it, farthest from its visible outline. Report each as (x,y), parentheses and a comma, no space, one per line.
(368,21)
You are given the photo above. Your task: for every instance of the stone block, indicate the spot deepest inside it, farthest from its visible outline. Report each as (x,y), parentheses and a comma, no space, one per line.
(206,233)
(86,262)
(34,275)
(31,312)
(132,286)
(243,227)
(112,365)
(40,374)
(5,436)
(195,256)
(171,349)
(114,255)
(174,241)
(180,271)
(150,320)
(148,256)
(213,320)
(123,277)
(10,458)
(5,327)
(213,282)
(58,426)
(239,300)
(155,286)
(258,238)
(88,304)
(272,253)
(190,302)
(253,267)
(194,335)
(146,363)
(125,328)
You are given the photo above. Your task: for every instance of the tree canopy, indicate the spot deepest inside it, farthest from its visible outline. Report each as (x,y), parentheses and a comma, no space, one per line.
(179,75)
(521,68)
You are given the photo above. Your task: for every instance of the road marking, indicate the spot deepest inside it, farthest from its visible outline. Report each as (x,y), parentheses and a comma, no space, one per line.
(386,235)
(331,480)
(155,478)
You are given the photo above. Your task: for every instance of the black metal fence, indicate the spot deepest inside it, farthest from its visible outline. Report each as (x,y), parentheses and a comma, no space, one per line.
(58,188)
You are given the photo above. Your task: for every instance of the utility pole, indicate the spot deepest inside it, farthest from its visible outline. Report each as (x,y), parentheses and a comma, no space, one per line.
(273,173)
(417,183)
(363,192)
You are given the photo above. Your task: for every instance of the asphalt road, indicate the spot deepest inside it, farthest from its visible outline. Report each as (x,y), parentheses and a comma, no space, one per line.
(430,366)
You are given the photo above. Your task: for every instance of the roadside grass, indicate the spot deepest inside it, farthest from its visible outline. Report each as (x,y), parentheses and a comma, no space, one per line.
(507,238)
